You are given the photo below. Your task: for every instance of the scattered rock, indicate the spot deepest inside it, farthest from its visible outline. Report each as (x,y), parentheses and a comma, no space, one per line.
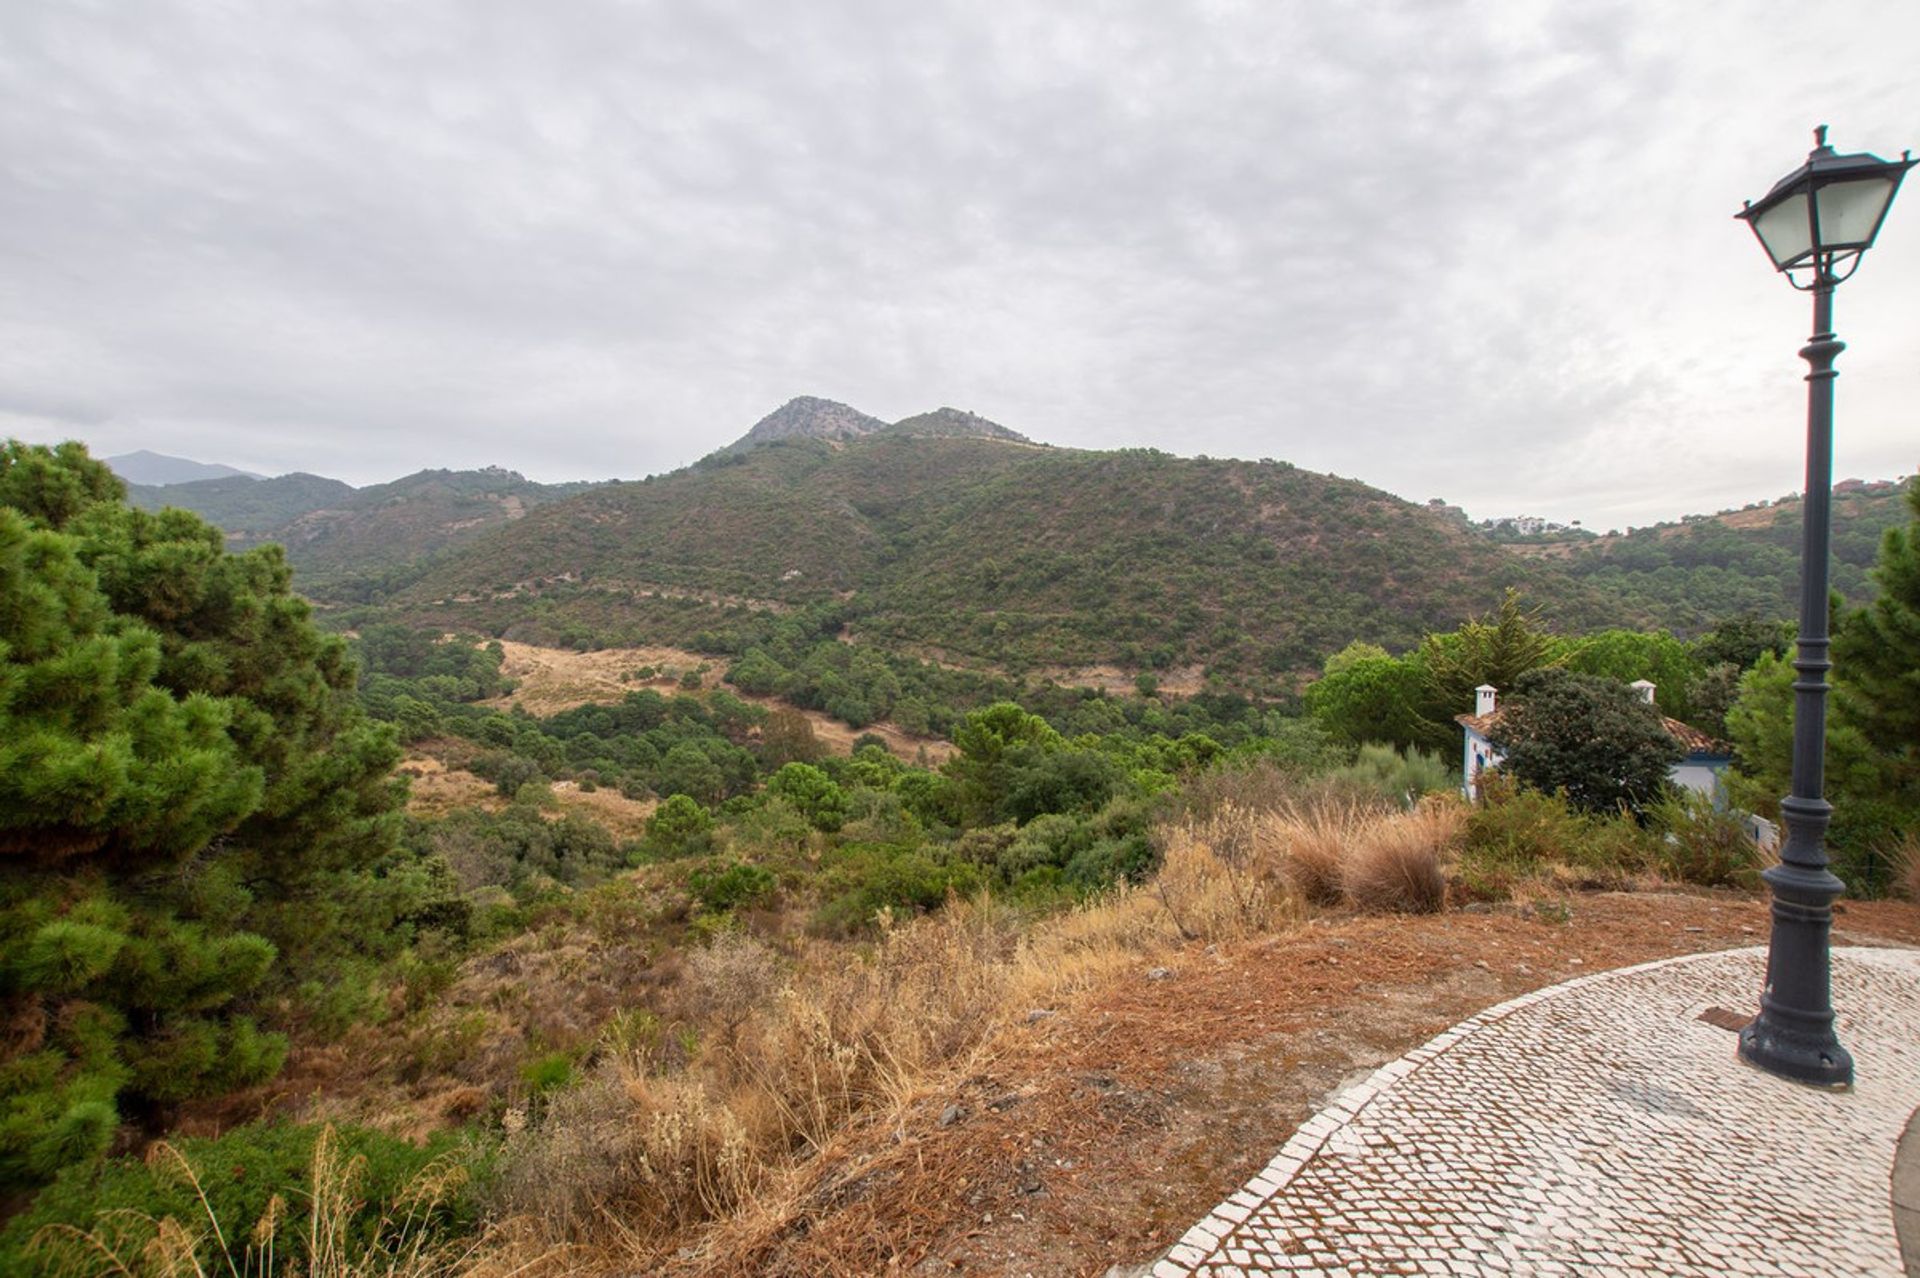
(1483,965)
(1004,1102)
(1039,1014)
(951,1115)
(1476,907)
(1159,973)
(1523,969)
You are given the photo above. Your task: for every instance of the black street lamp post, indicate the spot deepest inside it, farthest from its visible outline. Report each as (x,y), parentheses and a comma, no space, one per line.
(1819,220)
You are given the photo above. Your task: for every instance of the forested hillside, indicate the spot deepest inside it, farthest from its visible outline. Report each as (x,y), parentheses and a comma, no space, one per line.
(985,552)
(1690,574)
(353,543)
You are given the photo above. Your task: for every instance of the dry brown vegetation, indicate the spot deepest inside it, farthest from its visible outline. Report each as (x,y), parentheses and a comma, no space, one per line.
(659,1148)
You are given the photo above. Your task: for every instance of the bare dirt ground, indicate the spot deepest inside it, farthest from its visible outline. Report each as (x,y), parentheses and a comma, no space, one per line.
(549,680)
(437,785)
(624,818)
(1096,1132)
(435,789)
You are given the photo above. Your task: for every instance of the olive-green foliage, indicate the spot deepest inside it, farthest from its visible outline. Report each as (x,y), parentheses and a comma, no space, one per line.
(189,803)
(1698,843)
(730,885)
(1514,832)
(1692,575)
(678,827)
(240,1172)
(1625,656)
(1400,775)
(996,555)
(860,880)
(1365,695)
(1588,737)
(511,848)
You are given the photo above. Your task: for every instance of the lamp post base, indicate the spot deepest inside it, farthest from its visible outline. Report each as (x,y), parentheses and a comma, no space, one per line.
(1793,1035)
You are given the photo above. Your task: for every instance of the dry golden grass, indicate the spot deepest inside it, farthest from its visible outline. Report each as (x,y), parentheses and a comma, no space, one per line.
(1906,872)
(1396,864)
(658,1149)
(624,1169)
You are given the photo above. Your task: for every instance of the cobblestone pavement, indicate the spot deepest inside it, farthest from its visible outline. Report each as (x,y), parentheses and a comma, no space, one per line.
(1597,1127)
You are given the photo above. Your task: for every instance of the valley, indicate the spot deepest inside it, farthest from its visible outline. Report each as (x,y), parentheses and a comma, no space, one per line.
(681,861)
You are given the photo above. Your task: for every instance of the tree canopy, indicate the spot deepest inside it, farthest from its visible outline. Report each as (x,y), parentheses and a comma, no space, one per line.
(1589,736)
(184,775)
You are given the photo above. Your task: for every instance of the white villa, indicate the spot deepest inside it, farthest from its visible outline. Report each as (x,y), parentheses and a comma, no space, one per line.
(1699,771)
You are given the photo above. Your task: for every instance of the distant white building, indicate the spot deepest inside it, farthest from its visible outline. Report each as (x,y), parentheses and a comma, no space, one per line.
(1700,770)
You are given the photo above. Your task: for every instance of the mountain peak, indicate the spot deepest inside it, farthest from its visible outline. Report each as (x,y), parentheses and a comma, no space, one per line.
(809,417)
(955,423)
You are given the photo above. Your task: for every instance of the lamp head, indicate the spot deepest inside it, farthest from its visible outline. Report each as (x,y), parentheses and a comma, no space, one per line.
(1826,213)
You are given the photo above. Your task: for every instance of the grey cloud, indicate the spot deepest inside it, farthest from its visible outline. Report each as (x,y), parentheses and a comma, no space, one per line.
(1466,250)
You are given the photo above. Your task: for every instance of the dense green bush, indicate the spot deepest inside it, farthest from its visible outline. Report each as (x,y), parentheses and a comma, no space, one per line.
(1697,843)
(242,1173)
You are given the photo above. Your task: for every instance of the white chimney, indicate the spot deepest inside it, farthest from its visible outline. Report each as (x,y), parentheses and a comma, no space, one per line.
(1644,688)
(1483,699)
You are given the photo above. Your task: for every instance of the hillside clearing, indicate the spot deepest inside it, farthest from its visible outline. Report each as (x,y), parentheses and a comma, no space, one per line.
(550,680)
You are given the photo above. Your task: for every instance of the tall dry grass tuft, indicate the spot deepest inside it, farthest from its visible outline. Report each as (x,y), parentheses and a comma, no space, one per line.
(1223,877)
(625,1166)
(402,1244)
(1906,867)
(1398,864)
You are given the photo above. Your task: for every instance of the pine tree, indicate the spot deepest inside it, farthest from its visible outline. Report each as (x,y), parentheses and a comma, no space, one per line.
(1877,659)
(185,783)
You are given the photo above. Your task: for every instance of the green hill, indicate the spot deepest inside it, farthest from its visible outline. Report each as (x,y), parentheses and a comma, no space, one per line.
(248,510)
(350,543)
(985,552)
(1696,571)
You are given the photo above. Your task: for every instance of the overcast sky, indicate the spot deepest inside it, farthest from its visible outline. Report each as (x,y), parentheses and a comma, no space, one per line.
(1477,251)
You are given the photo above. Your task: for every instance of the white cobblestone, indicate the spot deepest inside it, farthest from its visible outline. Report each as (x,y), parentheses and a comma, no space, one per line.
(1596,1127)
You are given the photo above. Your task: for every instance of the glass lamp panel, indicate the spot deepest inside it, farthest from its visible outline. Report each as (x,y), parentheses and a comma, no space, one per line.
(1850,211)
(1783,229)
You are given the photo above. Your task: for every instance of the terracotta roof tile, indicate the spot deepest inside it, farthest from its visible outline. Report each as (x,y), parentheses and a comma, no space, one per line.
(1692,738)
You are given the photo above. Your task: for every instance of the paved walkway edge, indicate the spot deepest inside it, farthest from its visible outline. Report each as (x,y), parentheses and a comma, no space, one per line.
(1199,1243)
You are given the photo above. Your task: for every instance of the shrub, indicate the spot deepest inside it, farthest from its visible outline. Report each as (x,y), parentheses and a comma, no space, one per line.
(1515,833)
(1394,863)
(546,1073)
(868,879)
(1396,775)
(678,827)
(1696,844)
(365,1193)
(728,886)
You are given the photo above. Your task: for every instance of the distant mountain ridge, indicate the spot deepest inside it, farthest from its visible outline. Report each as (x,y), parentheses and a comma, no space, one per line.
(346,540)
(143,466)
(975,551)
